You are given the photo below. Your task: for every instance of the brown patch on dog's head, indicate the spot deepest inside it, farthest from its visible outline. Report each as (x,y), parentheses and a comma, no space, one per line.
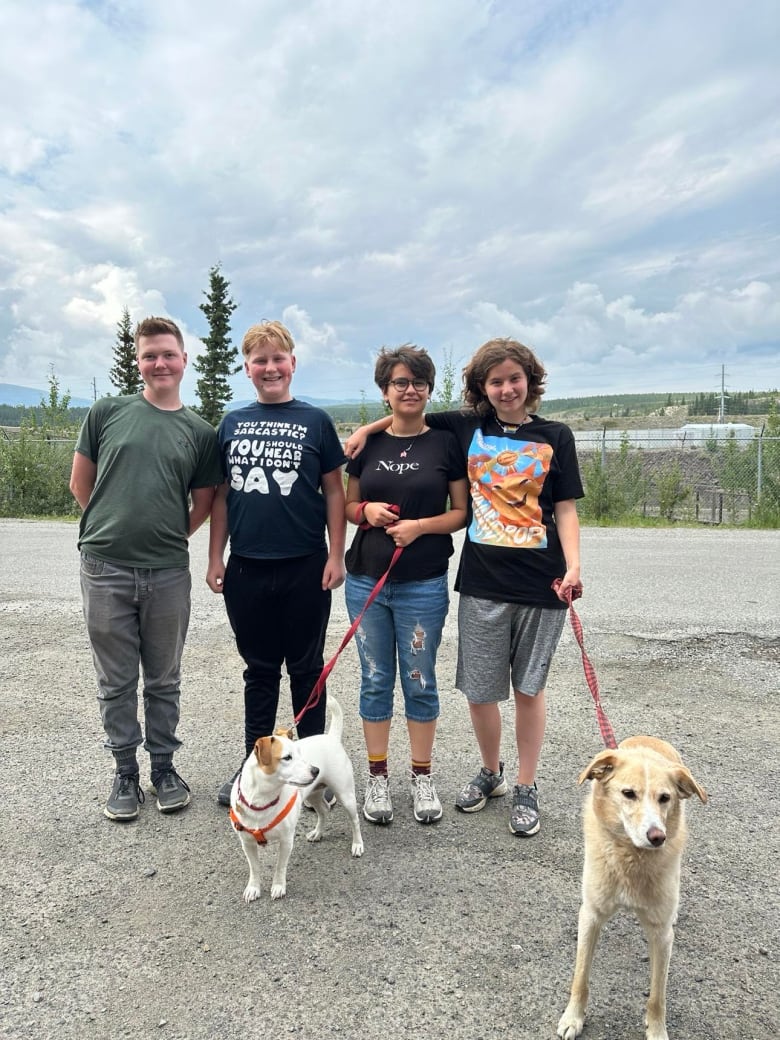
(280,731)
(600,768)
(268,751)
(686,785)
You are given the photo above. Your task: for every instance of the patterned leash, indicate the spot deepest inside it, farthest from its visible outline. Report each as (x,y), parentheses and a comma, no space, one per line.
(605,727)
(319,686)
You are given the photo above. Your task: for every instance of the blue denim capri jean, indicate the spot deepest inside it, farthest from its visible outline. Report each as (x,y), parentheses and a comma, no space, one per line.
(400,633)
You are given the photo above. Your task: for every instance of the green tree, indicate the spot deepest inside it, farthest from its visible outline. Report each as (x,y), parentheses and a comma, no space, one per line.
(672,490)
(767,512)
(447,397)
(125,375)
(35,465)
(217,363)
(363,410)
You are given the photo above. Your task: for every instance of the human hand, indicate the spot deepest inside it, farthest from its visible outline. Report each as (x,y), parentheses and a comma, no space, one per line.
(356,441)
(333,575)
(404,532)
(215,577)
(379,514)
(568,585)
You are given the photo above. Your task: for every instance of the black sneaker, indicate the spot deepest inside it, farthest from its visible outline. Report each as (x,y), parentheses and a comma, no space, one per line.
(172,792)
(524,818)
(486,784)
(223,797)
(125,798)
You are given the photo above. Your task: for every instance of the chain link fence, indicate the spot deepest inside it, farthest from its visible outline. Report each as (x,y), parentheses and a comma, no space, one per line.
(668,475)
(683,475)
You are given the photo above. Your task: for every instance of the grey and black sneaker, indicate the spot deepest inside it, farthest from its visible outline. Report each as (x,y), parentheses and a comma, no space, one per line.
(427,807)
(172,792)
(377,807)
(223,796)
(486,784)
(524,818)
(125,798)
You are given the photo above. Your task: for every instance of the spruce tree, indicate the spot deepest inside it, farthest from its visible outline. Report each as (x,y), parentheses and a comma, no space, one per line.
(125,375)
(217,363)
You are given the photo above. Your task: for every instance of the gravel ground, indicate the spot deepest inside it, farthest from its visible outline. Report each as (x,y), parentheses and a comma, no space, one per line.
(458,930)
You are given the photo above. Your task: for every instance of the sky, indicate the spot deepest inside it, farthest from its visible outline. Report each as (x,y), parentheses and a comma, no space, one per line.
(596,179)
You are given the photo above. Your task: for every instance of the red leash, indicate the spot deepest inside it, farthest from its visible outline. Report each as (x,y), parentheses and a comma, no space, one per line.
(605,727)
(316,693)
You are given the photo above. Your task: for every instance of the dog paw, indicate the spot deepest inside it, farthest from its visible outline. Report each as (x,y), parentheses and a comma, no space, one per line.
(570,1024)
(251,894)
(278,891)
(315,835)
(656,1031)
(357,848)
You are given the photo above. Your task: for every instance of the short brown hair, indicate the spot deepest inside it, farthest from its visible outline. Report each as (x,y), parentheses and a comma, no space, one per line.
(262,332)
(154,326)
(416,359)
(492,353)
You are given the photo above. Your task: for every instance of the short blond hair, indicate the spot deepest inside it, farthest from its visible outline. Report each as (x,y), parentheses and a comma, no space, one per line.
(260,334)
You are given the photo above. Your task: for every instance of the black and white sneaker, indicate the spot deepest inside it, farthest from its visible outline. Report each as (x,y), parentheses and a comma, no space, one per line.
(125,798)
(486,784)
(524,818)
(172,792)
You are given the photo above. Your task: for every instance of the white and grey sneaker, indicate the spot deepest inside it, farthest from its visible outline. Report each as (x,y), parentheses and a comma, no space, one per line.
(377,807)
(427,807)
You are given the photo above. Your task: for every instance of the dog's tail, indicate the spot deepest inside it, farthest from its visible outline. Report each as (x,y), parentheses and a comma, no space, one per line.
(336,727)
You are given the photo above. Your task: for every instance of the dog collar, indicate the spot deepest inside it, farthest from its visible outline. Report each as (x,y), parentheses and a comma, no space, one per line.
(255,808)
(259,833)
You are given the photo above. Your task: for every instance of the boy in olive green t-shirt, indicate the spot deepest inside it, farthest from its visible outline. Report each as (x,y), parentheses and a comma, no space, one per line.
(139,463)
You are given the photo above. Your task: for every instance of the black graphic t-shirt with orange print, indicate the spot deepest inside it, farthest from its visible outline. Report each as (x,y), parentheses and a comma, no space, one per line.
(512,552)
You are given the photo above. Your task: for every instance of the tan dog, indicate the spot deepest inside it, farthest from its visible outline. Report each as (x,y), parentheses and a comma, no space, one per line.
(634,824)
(266,798)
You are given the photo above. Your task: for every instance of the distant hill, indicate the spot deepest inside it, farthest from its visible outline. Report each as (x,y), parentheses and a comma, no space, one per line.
(12,394)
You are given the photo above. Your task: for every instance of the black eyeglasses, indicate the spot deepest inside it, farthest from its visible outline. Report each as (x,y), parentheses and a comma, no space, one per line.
(403,384)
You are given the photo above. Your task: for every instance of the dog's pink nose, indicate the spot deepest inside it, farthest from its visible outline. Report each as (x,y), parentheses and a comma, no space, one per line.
(656,837)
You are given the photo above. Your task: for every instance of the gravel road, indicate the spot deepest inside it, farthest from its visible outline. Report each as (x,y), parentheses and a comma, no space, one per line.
(456,931)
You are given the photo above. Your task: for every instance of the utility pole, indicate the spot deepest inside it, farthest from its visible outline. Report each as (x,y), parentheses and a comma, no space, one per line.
(723,395)
(94,389)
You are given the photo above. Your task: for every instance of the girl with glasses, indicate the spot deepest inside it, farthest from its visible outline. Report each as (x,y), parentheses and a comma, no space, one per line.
(398,493)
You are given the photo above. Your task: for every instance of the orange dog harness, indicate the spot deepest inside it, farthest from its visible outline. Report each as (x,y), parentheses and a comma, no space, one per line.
(259,833)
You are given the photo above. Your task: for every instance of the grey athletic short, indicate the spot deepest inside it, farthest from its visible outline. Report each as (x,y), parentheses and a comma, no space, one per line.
(503,642)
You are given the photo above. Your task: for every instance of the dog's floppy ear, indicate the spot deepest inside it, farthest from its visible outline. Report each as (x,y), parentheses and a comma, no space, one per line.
(263,751)
(686,785)
(601,768)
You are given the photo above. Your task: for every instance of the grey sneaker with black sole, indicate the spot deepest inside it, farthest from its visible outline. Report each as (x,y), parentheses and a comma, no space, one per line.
(125,798)
(172,792)
(486,784)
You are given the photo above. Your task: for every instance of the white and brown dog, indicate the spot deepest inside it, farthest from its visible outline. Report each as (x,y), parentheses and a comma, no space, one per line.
(634,825)
(266,799)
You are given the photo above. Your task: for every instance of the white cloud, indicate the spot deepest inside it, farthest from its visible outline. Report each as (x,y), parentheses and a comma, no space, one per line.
(599,180)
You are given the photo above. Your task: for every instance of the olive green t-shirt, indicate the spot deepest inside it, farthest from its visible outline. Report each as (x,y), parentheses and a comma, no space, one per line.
(147,461)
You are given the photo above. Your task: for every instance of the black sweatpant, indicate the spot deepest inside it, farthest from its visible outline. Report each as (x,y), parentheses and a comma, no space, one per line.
(279,613)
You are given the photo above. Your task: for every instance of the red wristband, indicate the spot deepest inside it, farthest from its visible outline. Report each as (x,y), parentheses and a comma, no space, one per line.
(361,512)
